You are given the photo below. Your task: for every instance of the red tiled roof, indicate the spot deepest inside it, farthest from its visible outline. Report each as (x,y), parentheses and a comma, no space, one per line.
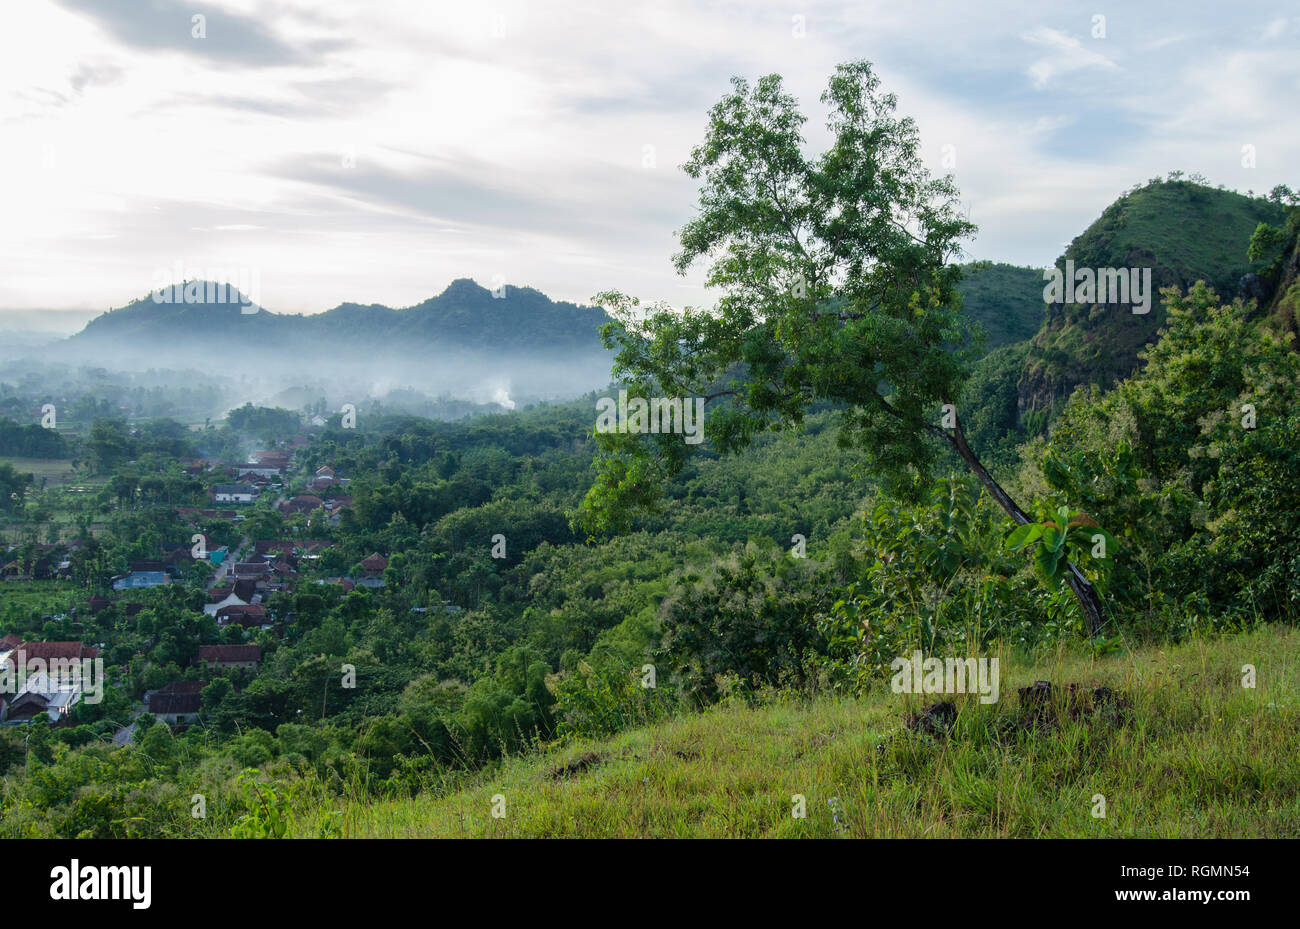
(175,703)
(183,687)
(47,651)
(230,653)
(249,609)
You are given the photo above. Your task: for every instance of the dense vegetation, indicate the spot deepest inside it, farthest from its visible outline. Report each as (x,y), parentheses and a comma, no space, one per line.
(544,586)
(1181,229)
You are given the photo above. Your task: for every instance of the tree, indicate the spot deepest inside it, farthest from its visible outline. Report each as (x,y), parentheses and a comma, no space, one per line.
(838,287)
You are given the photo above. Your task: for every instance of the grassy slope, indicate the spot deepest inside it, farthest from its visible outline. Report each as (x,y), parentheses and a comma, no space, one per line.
(1007,300)
(1183,232)
(1199,756)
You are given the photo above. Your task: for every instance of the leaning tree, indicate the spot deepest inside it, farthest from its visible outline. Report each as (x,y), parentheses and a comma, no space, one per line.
(837,287)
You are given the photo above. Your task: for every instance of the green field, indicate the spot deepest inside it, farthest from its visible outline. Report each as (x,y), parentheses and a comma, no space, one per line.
(55,471)
(25,597)
(1193,753)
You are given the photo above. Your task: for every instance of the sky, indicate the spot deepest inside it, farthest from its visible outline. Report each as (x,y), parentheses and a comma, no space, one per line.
(372,151)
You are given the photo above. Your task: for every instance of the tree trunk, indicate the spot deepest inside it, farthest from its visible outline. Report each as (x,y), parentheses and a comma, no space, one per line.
(1083,589)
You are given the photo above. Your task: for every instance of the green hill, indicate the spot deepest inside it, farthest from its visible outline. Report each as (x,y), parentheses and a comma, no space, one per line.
(1188,752)
(1183,232)
(1006,300)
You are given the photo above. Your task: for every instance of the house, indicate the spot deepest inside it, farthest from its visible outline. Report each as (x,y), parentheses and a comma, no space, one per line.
(138,579)
(178,557)
(40,696)
(175,709)
(54,678)
(234,493)
(248,615)
(275,549)
(303,503)
(272,459)
(375,564)
(177,704)
(252,570)
(230,656)
(258,469)
(241,594)
(53,651)
(41,569)
(183,555)
(334,508)
(7,645)
(97,604)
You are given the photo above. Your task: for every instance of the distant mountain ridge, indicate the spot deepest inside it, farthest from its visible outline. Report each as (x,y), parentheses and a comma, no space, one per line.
(464,316)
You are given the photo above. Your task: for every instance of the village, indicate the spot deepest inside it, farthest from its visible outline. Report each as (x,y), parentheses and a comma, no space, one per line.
(238,580)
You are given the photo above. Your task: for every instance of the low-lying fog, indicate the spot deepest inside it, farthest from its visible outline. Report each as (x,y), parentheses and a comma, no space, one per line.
(196,383)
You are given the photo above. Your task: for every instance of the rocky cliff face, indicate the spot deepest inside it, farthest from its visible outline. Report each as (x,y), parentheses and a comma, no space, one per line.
(1282,296)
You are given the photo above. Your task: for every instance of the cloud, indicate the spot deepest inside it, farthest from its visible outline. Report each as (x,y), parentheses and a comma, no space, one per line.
(1275,29)
(169,25)
(1068,55)
(510,138)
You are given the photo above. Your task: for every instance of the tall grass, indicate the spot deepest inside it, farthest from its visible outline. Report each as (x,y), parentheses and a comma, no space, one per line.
(1196,754)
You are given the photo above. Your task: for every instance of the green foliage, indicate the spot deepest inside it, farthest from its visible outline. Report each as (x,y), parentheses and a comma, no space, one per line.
(1184,232)
(935,577)
(263,422)
(30,441)
(1061,537)
(828,297)
(750,617)
(604,695)
(1188,462)
(1005,301)
(990,405)
(266,815)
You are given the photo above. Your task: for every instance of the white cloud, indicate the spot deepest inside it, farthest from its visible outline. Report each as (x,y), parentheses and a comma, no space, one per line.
(477,150)
(1067,56)
(1275,29)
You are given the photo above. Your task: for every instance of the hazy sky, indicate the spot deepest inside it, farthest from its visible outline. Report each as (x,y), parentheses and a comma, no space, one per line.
(374,150)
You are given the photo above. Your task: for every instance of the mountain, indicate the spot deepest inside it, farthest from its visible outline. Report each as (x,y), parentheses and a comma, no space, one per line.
(466,343)
(1183,232)
(465,316)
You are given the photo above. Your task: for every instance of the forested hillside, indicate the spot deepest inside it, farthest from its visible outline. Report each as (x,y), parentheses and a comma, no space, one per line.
(1184,231)
(345,620)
